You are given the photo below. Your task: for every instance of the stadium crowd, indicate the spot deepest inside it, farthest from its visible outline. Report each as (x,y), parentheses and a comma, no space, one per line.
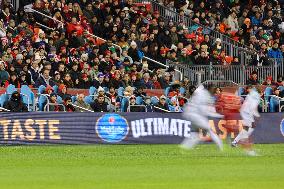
(69,55)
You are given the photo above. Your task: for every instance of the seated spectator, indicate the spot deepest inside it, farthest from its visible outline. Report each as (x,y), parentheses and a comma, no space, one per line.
(253,80)
(99,105)
(146,81)
(269,81)
(81,103)
(133,106)
(15,104)
(84,82)
(275,52)
(13,80)
(148,104)
(112,95)
(62,91)
(67,102)
(44,79)
(67,81)
(140,92)
(54,107)
(162,106)
(156,83)
(4,75)
(174,107)
(166,80)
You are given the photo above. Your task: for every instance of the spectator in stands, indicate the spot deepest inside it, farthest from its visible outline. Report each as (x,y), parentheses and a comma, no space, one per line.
(54,107)
(148,104)
(4,75)
(146,81)
(166,80)
(44,79)
(67,102)
(15,104)
(62,91)
(269,81)
(99,105)
(112,95)
(174,107)
(162,105)
(253,80)
(156,83)
(275,52)
(277,92)
(133,106)
(81,103)
(13,80)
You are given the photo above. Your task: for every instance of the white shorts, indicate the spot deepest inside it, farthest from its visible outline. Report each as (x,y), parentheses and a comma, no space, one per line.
(247,119)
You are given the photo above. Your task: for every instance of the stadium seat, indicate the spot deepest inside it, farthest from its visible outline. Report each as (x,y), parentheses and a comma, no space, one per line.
(3,98)
(42,101)
(92,91)
(139,100)
(124,103)
(74,98)
(88,99)
(182,90)
(59,100)
(167,91)
(55,89)
(171,108)
(120,91)
(106,89)
(267,93)
(273,104)
(241,91)
(28,97)
(41,89)
(154,100)
(10,89)
(281,88)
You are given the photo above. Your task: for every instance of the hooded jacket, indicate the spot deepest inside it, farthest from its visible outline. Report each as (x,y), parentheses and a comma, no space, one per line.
(15,103)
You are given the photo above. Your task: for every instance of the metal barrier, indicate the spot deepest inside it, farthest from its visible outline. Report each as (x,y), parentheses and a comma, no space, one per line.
(46,107)
(229,45)
(166,66)
(4,110)
(139,106)
(16,4)
(82,108)
(236,73)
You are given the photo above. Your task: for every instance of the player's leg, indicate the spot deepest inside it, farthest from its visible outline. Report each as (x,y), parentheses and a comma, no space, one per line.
(204,124)
(242,135)
(194,139)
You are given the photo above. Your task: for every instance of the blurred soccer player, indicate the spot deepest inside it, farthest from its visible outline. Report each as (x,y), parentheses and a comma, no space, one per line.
(248,111)
(200,107)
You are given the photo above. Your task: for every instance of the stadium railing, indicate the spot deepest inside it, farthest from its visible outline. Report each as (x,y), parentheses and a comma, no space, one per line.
(236,73)
(230,46)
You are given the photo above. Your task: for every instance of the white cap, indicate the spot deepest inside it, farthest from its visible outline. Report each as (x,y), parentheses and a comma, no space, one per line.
(133,43)
(100,89)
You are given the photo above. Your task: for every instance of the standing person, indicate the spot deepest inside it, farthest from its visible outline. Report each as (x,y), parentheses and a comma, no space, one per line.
(199,108)
(248,111)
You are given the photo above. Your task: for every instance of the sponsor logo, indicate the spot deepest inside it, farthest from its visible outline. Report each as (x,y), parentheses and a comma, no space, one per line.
(282,127)
(112,128)
(160,127)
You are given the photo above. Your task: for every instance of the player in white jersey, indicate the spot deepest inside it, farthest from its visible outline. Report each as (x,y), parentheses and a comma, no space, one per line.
(200,107)
(249,111)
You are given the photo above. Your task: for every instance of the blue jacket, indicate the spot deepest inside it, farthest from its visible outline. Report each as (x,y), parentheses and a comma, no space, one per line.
(274,53)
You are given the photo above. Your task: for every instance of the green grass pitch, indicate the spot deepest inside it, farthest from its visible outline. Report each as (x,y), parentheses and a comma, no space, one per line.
(140,166)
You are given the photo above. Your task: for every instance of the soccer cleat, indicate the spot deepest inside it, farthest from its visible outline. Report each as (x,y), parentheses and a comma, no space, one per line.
(234,144)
